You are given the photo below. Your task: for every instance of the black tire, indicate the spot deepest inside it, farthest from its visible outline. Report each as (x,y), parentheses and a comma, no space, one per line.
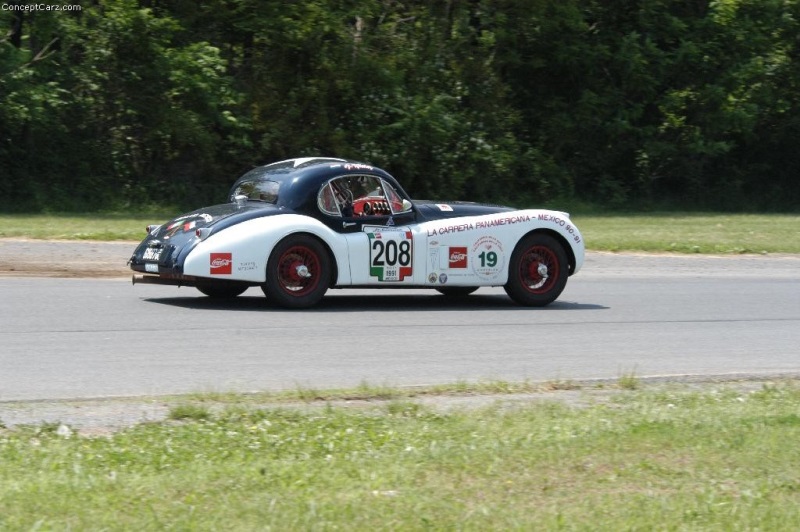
(222,291)
(298,272)
(538,271)
(456,291)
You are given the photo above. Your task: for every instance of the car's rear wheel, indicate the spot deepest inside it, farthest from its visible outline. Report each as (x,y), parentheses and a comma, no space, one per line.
(298,272)
(456,291)
(538,271)
(222,291)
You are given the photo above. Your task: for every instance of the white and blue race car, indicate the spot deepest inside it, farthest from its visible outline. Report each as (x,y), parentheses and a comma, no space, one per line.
(296,228)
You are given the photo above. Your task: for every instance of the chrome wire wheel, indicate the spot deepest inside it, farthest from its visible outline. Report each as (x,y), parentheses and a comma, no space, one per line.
(538,271)
(298,272)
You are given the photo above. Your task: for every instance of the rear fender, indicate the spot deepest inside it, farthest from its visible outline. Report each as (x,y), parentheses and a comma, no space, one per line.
(241,252)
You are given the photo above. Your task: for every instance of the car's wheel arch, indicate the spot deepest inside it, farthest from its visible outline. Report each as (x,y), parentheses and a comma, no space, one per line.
(325,245)
(561,241)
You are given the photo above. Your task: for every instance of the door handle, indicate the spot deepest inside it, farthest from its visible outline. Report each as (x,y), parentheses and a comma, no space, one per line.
(345,225)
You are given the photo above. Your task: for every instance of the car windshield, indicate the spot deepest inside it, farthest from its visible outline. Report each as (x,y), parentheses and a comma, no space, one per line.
(258,190)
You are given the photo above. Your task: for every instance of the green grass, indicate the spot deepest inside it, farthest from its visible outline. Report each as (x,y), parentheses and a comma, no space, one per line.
(662,458)
(666,232)
(628,381)
(79,227)
(692,233)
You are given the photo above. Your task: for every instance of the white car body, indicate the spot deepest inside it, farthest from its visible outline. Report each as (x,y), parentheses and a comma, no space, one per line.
(298,227)
(431,255)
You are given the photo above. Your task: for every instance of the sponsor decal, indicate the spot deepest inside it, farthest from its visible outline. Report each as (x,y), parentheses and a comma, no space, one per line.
(382,229)
(561,222)
(246,266)
(357,166)
(432,278)
(480,224)
(151,267)
(433,254)
(444,207)
(487,257)
(458,257)
(220,263)
(451,229)
(390,255)
(505,220)
(443,278)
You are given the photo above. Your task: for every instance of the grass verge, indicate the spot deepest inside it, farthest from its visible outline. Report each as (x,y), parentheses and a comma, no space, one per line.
(658,458)
(692,233)
(664,232)
(99,227)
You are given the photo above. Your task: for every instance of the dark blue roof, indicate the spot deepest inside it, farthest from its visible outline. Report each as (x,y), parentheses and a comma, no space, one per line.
(300,179)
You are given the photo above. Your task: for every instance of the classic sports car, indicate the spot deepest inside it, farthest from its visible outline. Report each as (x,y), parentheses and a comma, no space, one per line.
(298,227)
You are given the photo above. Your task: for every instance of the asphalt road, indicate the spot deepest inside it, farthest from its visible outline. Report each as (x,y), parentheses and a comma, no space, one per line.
(642,315)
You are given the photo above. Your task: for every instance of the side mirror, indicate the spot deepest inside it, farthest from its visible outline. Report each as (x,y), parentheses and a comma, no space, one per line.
(407,205)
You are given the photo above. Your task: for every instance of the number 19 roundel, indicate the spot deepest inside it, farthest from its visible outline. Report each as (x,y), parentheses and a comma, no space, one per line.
(390,254)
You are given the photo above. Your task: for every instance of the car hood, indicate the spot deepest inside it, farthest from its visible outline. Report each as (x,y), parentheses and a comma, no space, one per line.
(437,210)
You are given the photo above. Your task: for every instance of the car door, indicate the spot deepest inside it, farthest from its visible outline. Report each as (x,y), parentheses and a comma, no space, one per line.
(376,223)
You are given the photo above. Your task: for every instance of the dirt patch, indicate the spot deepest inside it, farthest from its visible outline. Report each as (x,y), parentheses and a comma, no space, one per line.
(105,416)
(64,258)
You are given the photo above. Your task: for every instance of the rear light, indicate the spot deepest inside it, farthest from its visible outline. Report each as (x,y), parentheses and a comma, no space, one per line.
(203,233)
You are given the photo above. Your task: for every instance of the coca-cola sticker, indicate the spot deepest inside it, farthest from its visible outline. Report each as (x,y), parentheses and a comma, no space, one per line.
(221,263)
(458,257)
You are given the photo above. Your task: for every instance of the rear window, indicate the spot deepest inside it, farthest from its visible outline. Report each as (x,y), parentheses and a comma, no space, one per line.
(258,190)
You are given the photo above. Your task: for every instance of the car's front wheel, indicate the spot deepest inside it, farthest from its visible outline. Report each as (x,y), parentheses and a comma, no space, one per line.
(538,271)
(298,272)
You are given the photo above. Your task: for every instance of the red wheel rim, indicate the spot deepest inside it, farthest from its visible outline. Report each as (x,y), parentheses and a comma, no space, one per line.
(298,271)
(539,269)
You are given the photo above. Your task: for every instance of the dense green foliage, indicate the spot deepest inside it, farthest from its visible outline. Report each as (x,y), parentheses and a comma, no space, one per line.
(646,102)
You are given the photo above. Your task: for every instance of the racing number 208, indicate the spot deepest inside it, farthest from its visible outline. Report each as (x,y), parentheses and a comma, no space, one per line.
(391,255)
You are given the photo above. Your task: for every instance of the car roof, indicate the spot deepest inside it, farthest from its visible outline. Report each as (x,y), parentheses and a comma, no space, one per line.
(301,178)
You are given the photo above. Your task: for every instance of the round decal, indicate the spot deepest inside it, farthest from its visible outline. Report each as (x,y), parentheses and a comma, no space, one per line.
(487,257)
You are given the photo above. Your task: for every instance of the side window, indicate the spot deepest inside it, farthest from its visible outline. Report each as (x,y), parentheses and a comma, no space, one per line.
(337,197)
(395,201)
(359,195)
(327,201)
